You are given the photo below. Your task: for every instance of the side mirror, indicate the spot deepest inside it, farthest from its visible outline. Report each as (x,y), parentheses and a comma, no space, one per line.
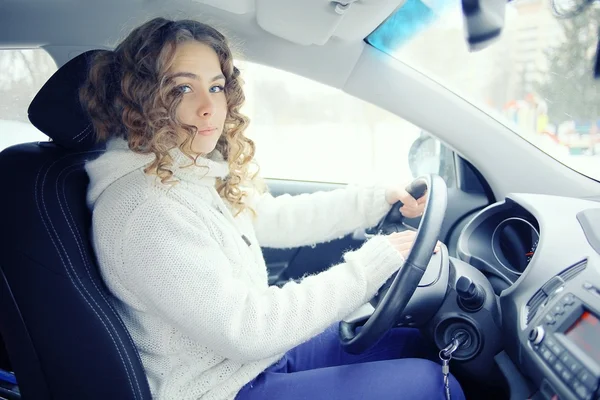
(424,156)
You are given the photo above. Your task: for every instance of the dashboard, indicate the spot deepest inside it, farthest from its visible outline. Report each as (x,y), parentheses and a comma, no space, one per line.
(500,242)
(541,255)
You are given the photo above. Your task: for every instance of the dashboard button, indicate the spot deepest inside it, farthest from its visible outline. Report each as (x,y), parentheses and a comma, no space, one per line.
(570,362)
(558,309)
(558,367)
(549,319)
(547,355)
(550,342)
(566,376)
(553,346)
(568,300)
(565,358)
(588,379)
(581,390)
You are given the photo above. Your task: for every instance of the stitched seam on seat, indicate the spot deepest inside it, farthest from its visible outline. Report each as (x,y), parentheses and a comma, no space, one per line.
(74,169)
(52,238)
(67,266)
(80,133)
(109,303)
(79,241)
(85,136)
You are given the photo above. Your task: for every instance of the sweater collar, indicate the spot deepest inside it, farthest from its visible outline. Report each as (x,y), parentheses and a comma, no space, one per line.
(203,170)
(118,160)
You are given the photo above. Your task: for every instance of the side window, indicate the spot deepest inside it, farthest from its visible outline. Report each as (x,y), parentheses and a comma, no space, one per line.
(308,131)
(22,74)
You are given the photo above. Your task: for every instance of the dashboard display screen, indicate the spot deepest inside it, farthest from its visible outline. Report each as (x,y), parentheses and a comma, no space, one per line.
(585,333)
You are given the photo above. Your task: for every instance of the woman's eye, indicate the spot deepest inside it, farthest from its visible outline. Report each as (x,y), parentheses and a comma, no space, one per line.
(217,89)
(183,89)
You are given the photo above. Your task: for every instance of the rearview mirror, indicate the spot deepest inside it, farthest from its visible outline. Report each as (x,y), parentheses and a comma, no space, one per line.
(484,20)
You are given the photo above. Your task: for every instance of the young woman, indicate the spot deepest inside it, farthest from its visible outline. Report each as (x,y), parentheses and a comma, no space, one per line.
(179,218)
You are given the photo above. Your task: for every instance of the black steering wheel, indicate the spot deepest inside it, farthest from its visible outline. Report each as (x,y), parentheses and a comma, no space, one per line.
(403,283)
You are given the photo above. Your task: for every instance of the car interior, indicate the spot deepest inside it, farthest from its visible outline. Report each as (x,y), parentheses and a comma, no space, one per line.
(518,277)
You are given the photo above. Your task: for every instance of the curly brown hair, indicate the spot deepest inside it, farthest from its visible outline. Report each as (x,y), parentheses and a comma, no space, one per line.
(127,94)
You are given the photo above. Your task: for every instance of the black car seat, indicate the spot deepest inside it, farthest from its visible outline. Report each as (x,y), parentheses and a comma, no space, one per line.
(64,338)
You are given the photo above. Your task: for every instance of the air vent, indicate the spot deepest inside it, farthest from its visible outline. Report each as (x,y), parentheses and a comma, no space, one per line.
(573,270)
(550,287)
(534,303)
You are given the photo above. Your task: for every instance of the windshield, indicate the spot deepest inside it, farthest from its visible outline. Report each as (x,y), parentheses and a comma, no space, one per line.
(537,78)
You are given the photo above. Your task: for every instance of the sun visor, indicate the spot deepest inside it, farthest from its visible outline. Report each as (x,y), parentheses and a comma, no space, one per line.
(310,22)
(484,20)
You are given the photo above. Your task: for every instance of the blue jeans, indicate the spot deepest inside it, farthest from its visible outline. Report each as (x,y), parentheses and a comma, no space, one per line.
(399,366)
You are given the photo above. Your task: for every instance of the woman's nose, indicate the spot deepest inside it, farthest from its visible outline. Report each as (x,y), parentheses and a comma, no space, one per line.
(206,107)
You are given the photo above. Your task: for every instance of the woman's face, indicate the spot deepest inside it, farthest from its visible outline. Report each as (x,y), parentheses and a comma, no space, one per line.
(198,77)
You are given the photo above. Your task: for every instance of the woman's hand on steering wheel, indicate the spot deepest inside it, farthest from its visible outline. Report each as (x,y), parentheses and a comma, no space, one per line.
(400,288)
(404,241)
(411,207)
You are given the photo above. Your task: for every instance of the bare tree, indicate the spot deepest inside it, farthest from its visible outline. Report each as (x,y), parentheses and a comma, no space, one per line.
(569,87)
(22,74)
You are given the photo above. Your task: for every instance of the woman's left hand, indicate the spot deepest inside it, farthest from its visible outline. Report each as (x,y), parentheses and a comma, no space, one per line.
(412,208)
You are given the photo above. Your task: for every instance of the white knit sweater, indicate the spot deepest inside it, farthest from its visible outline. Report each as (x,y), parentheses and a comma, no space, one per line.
(191,291)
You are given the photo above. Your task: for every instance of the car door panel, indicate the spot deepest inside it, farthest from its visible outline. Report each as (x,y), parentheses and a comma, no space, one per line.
(465,197)
(288,264)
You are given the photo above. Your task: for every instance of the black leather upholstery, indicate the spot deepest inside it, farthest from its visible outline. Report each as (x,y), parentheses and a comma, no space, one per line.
(64,338)
(56,110)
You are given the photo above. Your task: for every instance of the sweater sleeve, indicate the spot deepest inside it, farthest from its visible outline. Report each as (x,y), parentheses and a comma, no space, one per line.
(306,219)
(177,269)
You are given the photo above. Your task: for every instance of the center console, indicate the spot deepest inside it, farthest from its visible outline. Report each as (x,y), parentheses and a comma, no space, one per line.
(566,340)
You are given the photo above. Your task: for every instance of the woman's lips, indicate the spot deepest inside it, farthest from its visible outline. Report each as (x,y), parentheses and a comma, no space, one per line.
(206,131)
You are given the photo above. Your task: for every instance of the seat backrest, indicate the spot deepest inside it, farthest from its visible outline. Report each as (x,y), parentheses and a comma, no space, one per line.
(63,335)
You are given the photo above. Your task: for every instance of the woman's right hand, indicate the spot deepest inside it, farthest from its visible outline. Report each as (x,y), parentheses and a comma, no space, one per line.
(404,241)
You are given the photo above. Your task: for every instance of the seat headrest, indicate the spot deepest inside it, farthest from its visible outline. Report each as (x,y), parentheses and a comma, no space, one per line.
(56,109)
